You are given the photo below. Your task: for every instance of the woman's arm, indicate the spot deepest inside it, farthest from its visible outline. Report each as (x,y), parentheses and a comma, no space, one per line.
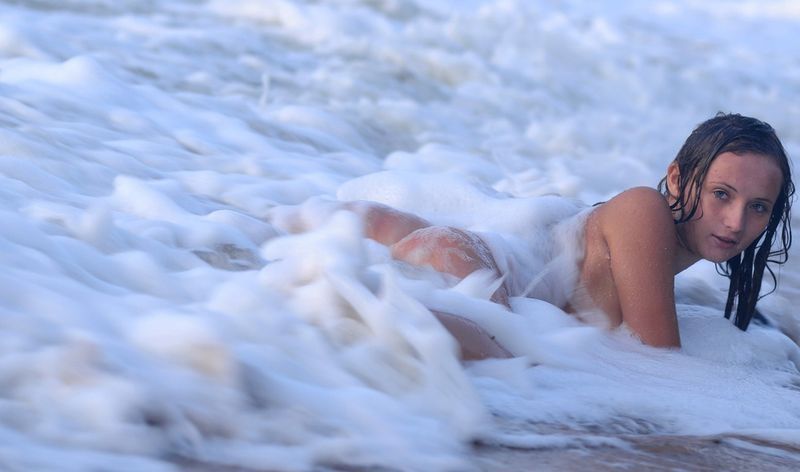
(640,234)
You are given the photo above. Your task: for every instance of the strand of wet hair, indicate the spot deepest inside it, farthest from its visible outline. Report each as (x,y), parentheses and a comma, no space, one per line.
(732,272)
(743,314)
(746,278)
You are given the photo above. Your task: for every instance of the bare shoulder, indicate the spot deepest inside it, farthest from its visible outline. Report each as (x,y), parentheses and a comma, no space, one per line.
(638,207)
(639,232)
(640,199)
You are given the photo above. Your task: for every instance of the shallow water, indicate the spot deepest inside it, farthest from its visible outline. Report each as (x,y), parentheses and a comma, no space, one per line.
(158,311)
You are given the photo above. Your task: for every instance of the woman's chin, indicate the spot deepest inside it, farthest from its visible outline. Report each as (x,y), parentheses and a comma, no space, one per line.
(719,257)
(717,260)
(717,253)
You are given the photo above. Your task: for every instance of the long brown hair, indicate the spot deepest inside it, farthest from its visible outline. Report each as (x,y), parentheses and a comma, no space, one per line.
(737,134)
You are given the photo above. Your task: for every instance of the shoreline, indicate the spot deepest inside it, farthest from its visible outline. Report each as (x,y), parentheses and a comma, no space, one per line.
(731,453)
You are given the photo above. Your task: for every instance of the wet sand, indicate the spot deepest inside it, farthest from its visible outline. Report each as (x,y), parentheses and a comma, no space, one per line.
(650,452)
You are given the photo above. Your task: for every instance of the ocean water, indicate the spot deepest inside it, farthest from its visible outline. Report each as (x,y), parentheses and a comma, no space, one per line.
(179,292)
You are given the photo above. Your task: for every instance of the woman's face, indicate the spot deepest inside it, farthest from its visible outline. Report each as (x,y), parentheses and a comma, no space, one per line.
(736,201)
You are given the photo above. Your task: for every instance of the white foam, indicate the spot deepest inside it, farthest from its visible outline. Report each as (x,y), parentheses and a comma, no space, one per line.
(180,287)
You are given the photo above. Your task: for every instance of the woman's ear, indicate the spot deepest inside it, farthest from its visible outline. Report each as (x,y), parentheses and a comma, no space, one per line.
(673,180)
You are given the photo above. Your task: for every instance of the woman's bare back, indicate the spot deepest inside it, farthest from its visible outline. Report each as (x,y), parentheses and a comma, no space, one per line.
(619,240)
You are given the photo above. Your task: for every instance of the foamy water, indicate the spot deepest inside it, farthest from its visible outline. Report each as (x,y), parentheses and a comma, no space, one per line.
(157,309)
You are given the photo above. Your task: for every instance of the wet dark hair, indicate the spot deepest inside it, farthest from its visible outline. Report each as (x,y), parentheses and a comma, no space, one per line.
(738,134)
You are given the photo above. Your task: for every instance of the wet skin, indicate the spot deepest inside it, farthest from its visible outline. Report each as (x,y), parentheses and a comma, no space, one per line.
(735,206)
(633,248)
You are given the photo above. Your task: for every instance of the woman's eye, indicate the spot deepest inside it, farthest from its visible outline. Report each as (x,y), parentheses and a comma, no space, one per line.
(760,208)
(721,194)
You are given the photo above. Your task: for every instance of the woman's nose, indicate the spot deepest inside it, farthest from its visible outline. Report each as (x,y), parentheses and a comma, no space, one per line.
(734,218)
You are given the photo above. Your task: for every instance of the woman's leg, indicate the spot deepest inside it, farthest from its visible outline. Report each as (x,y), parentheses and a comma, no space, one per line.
(385,224)
(474,341)
(454,251)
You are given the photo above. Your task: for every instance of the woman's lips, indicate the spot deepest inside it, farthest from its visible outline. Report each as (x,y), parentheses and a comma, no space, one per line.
(723,242)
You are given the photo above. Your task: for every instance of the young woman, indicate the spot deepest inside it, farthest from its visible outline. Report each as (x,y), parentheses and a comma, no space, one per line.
(726,198)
